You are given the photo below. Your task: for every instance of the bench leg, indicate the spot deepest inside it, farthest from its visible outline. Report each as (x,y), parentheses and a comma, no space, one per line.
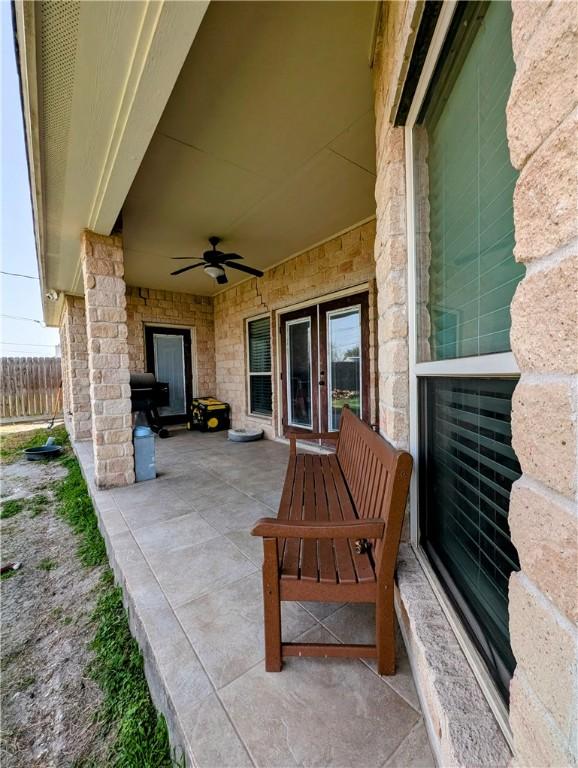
(385,631)
(272,606)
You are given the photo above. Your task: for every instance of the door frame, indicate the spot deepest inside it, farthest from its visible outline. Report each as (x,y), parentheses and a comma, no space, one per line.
(316,310)
(168,330)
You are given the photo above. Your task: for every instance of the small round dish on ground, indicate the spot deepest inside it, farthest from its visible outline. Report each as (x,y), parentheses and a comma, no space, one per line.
(42,452)
(245,435)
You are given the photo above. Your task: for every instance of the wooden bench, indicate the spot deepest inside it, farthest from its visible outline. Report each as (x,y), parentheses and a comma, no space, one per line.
(336,537)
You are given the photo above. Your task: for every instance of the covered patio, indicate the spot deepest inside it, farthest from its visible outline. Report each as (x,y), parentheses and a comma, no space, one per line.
(180,547)
(376,176)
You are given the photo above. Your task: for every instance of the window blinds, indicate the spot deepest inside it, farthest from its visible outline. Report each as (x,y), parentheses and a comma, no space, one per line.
(260,345)
(469,470)
(260,389)
(472,274)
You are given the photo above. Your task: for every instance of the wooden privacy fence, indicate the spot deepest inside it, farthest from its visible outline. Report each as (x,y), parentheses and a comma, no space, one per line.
(30,386)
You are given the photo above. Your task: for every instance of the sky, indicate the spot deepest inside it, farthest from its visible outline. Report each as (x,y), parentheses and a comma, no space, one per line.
(19,297)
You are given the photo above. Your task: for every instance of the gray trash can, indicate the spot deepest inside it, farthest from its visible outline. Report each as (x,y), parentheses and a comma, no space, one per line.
(144,453)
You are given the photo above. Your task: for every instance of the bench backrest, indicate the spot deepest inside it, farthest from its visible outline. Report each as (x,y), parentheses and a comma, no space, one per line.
(377,475)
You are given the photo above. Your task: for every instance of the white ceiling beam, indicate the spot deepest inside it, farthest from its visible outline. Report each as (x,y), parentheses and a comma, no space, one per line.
(167,31)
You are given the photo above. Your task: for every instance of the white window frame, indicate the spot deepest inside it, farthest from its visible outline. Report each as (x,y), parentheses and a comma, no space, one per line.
(329,315)
(298,321)
(495,365)
(258,373)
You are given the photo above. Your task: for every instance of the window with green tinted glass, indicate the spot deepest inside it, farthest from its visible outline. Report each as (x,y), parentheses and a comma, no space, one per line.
(463,168)
(466,275)
(259,349)
(467,470)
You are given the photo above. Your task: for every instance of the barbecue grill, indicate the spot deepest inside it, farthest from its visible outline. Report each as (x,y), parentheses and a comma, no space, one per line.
(147,396)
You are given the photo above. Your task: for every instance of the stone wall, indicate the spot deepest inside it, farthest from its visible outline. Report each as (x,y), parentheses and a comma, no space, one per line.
(542,117)
(461,726)
(146,306)
(395,41)
(65,367)
(542,135)
(74,361)
(340,263)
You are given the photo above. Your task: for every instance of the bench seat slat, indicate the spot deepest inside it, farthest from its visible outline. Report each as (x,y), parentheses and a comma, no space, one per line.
(285,503)
(361,562)
(309,570)
(290,563)
(327,568)
(345,568)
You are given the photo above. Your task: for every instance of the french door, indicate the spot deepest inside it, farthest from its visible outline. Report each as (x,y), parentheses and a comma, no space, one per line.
(325,364)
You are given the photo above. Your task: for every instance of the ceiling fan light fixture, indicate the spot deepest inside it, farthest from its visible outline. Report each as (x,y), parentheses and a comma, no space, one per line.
(214,272)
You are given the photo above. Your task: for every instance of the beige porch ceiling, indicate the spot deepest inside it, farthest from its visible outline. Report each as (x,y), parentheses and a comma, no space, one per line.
(267,141)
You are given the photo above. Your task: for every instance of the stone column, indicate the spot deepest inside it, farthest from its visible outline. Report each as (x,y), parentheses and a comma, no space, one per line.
(391,278)
(65,372)
(542,130)
(104,287)
(75,383)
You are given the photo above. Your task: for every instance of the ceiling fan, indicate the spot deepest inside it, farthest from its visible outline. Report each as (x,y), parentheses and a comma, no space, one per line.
(214,263)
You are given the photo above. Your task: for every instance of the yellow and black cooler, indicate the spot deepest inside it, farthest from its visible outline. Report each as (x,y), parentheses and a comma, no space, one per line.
(209,415)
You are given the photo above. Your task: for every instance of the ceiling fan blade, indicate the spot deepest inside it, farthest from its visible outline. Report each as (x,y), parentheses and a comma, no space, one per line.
(227,256)
(186,269)
(180,258)
(248,270)
(222,279)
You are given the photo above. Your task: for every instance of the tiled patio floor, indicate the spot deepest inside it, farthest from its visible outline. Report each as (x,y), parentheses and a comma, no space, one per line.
(180,545)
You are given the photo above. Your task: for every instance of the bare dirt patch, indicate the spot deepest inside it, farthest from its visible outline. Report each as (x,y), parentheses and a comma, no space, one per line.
(49,704)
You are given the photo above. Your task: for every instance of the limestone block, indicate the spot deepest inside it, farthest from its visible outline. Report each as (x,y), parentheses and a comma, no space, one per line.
(544,332)
(545,87)
(546,195)
(106,391)
(545,532)
(122,464)
(527,14)
(118,436)
(537,740)
(393,324)
(550,647)
(394,425)
(394,390)
(544,433)
(116,407)
(394,217)
(110,451)
(395,291)
(104,330)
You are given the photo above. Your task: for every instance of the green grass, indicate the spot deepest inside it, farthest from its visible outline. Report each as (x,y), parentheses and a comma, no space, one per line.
(9,574)
(38,504)
(46,564)
(75,506)
(11,508)
(142,737)
(13,443)
(139,733)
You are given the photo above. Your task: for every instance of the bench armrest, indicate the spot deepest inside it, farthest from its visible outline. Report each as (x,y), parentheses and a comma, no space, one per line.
(271,528)
(294,436)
